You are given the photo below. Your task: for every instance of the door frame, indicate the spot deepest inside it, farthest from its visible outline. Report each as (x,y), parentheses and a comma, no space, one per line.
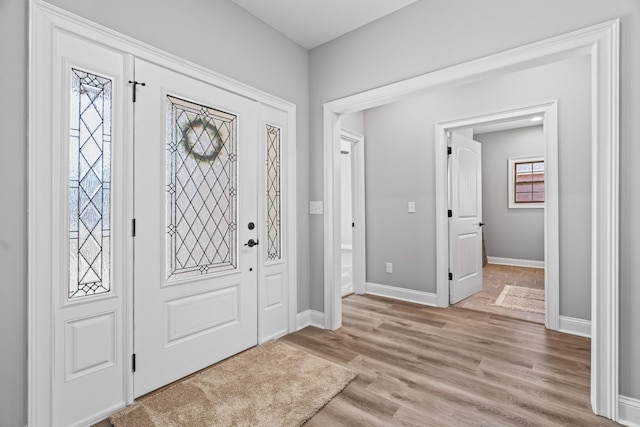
(45,21)
(602,43)
(358,212)
(549,111)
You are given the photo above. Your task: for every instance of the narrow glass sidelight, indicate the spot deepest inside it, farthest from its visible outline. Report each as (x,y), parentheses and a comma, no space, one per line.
(273,195)
(89,184)
(201,190)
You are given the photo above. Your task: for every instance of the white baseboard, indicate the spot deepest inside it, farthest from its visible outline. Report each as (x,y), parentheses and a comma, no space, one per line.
(418,297)
(96,418)
(310,318)
(274,336)
(515,262)
(573,326)
(629,411)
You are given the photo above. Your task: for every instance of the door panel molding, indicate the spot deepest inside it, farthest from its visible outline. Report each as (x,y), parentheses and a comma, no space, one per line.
(602,43)
(47,22)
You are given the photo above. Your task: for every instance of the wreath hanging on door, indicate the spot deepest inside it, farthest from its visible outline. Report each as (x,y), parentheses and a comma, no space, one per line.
(196,127)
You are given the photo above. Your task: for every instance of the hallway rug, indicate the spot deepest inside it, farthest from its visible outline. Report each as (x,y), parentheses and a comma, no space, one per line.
(273,384)
(521,298)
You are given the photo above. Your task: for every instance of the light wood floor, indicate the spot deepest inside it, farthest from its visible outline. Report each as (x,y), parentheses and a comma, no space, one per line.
(494,277)
(423,366)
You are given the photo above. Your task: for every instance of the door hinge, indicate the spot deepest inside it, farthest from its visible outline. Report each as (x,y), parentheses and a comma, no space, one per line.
(133,362)
(135,86)
(450,276)
(353,224)
(133,227)
(448,151)
(450,213)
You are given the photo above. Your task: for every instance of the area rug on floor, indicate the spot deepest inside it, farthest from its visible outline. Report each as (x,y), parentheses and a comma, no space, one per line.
(273,384)
(520,298)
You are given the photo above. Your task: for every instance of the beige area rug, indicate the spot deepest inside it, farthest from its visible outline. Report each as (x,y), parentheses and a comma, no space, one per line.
(271,385)
(520,298)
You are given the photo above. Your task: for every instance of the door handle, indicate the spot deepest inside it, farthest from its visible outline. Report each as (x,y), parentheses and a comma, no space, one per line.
(251,243)
(481,224)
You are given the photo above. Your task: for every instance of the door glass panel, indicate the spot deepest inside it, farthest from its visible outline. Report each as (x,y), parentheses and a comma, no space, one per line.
(273,194)
(201,193)
(89,184)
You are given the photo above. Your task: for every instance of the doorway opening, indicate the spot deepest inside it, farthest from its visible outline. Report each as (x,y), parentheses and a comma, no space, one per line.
(352,214)
(601,43)
(549,114)
(347,223)
(510,251)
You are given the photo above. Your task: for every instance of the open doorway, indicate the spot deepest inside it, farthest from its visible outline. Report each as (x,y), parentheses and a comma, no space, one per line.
(504,151)
(346,218)
(511,247)
(352,213)
(601,45)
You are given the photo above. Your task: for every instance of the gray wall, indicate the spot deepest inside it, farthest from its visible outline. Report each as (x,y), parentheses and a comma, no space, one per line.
(425,37)
(353,122)
(400,167)
(237,45)
(516,233)
(13,212)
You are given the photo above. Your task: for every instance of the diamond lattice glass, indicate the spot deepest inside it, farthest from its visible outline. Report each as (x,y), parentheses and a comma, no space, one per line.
(89,184)
(201,189)
(273,194)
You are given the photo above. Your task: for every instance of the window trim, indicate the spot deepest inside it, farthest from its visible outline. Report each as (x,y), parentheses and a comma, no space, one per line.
(511,174)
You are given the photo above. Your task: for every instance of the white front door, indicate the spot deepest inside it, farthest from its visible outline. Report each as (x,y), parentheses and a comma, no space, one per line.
(196,152)
(465,226)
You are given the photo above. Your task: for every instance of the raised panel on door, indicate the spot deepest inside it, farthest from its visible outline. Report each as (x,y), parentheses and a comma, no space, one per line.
(195,194)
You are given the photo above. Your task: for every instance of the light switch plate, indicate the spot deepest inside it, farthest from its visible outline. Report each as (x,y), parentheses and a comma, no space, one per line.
(316,208)
(412,207)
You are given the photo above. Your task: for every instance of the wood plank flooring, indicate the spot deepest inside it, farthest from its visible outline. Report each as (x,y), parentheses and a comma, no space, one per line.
(423,366)
(494,277)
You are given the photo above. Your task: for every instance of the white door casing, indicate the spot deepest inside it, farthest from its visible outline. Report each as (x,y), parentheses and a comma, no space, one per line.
(47,222)
(195,194)
(465,229)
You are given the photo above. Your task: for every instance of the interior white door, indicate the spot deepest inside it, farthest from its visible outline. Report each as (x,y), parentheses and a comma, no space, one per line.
(195,198)
(465,226)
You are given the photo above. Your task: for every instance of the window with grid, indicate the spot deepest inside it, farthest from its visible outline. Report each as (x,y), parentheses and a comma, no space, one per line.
(526,182)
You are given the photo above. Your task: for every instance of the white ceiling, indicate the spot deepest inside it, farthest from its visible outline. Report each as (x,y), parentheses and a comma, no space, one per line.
(311,23)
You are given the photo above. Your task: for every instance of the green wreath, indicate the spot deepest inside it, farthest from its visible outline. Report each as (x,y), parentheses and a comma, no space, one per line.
(189,146)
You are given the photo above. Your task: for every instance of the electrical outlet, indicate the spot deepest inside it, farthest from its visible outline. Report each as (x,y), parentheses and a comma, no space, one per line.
(389,267)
